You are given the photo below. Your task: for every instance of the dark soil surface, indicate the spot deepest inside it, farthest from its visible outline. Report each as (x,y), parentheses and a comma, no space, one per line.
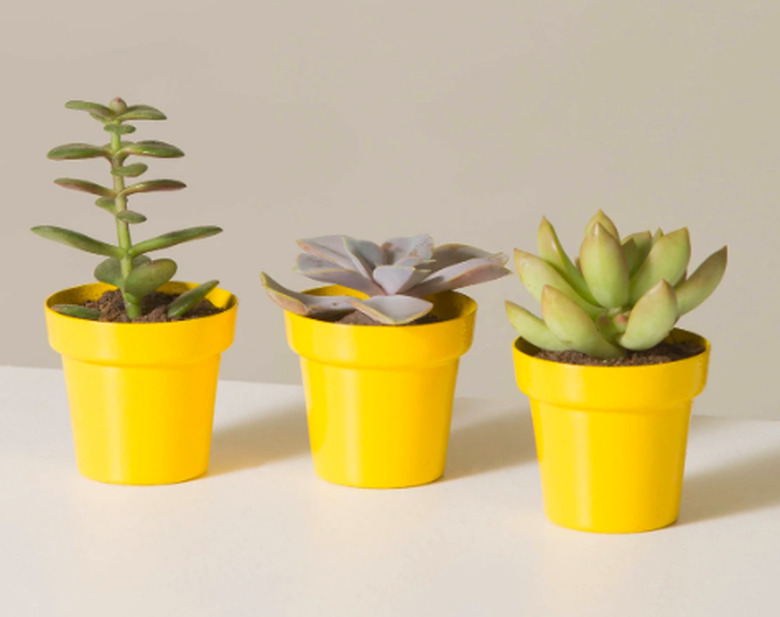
(356,318)
(153,307)
(660,354)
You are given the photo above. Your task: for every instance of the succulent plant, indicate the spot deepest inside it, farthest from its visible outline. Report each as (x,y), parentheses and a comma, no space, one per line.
(620,295)
(127,266)
(395,276)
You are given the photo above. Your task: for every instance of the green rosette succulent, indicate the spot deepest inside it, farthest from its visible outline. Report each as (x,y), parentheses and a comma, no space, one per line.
(127,265)
(621,295)
(396,276)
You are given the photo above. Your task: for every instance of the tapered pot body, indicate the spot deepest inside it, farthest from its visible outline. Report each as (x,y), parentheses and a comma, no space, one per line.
(379,398)
(611,441)
(141,395)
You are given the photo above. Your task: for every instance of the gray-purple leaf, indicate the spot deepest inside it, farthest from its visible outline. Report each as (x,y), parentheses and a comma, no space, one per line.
(304,304)
(365,255)
(392,310)
(469,272)
(320,269)
(449,254)
(397,279)
(408,251)
(331,248)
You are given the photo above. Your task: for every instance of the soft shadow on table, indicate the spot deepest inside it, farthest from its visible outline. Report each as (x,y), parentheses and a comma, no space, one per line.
(750,484)
(265,438)
(483,444)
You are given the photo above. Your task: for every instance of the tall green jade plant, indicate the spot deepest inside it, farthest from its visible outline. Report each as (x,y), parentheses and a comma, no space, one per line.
(396,276)
(127,266)
(621,295)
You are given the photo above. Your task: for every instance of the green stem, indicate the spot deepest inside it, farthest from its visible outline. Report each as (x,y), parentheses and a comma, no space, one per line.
(132,305)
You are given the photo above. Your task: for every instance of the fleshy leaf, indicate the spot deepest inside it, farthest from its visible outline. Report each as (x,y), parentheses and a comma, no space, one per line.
(573,326)
(131,216)
(95,109)
(532,329)
(364,254)
(668,259)
(408,251)
(130,171)
(398,279)
(142,112)
(393,310)
(181,305)
(154,185)
(68,152)
(450,254)
(84,186)
(173,238)
(304,304)
(605,222)
(77,240)
(551,250)
(604,267)
(77,310)
(698,287)
(107,203)
(652,318)
(320,269)
(635,248)
(110,270)
(158,149)
(119,129)
(463,274)
(147,277)
(331,248)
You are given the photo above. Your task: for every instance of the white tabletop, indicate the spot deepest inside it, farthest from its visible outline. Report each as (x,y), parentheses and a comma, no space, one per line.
(262,535)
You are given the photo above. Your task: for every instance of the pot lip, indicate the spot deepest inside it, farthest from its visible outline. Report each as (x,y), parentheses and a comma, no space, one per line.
(468,310)
(688,334)
(232,307)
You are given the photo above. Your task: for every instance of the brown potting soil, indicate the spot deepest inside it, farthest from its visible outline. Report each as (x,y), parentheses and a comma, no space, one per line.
(356,318)
(153,308)
(660,354)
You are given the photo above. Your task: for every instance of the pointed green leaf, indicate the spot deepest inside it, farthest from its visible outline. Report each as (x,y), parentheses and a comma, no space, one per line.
(173,238)
(110,270)
(604,267)
(536,273)
(551,250)
(119,129)
(702,282)
(605,222)
(190,298)
(142,112)
(100,112)
(130,171)
(532,329)
(668,260)
(158,149)
(147,277)
(635,248)
(130,216)
(77,240)
(652,318)
(76,151)
(76,310)
(85,186)
(154,185)
(572,325)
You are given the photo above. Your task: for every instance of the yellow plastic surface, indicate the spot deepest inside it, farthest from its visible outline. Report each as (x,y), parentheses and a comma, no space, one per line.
(379,398)
(141,395)
(611,440)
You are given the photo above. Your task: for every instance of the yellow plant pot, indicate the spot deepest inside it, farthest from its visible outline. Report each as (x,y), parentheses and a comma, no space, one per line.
(379,398)
(141,395)
(611,440)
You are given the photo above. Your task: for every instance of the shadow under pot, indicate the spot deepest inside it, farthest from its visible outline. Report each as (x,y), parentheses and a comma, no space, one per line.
(379,398)
(141,395)
(611,440)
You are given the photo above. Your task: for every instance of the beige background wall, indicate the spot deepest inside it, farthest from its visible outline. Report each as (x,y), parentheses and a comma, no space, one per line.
(465,119)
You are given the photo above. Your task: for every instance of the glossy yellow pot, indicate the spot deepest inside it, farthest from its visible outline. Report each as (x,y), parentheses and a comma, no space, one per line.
(611,440)
(379,398)
(141,395)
